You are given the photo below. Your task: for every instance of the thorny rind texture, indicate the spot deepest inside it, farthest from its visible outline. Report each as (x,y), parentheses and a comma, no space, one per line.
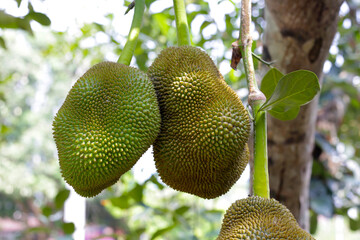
(108,120)
(260,218)
(201,148)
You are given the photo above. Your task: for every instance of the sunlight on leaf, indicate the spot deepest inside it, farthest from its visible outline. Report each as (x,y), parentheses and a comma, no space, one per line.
(292,91)
(270,81)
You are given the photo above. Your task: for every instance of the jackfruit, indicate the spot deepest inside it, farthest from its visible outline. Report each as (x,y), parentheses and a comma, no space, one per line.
(201,148)
(108,120)
(260,218)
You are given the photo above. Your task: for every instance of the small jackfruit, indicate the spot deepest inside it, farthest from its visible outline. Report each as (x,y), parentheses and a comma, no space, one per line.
(260,218)
(109,119)
(201,148)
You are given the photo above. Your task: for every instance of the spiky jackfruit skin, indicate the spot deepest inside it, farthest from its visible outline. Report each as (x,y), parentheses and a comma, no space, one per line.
(260,218)
(109,119)
(201,148)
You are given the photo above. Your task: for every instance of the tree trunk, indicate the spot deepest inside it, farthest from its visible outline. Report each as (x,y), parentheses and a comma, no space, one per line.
(298,35)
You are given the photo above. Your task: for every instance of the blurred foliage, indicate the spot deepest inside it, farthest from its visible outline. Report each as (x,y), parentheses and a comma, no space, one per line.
(38,70)
(23,23)
(335,183)
(38,222)
(152,210)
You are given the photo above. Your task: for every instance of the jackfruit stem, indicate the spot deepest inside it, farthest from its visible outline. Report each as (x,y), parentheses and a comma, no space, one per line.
(256,99)
(260,172)
(129,48)
(182,27)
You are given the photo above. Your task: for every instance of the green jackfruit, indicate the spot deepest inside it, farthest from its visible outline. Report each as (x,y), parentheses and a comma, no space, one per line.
(260,218)
(108,120)
(201,148)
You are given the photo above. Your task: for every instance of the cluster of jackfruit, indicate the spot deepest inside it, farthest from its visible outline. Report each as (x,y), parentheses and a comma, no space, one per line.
(113,113)
(260,218)
(111,116)
(201,148)
(108,120)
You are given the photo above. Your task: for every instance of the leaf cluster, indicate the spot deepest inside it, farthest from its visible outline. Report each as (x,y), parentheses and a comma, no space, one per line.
(8,21)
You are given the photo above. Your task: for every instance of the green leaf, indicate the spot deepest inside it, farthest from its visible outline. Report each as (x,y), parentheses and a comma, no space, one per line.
(40,18)
(285,115)
(9,21)
(162,22)
(68,228)
(137,193)
(204,25)
(46,211)
(135,234)
(270,81)
(61,198)
(354,224)
(38,230)
(160,232)
(30,7)
(18,2)
(182,210)
(121,202)
(313,222)
(2,42)
(293,90)
(154,180)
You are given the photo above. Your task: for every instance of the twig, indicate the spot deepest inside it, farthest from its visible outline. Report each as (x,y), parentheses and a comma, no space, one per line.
(256,99)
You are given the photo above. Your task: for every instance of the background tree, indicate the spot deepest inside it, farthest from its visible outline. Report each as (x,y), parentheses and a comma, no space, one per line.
(298,35)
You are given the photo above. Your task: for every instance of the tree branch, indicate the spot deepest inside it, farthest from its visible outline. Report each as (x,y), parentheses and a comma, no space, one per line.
(256,99)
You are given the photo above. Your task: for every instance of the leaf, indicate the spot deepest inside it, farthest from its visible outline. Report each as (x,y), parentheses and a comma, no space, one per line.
(2,42)
(18,2)
(68,228)
(268,85)
(9,21)
(40,18)
(61,198)
(154,180)
(160,232)
(38,230)
(293,90)
(313,222)
(204,25)
(30,7)
(162,22)
(137,193)
(135,234)
(354,224)
(121,202)
(99,27)
(270,81)
(286,115)
(46,211)
(182,210)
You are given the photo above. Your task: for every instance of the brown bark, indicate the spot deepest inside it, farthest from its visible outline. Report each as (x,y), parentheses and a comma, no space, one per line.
(298,35)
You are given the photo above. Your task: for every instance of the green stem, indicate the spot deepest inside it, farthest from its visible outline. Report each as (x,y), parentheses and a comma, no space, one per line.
(262,60)
(256,99)
(261,173)
(129,48)
(182,26)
